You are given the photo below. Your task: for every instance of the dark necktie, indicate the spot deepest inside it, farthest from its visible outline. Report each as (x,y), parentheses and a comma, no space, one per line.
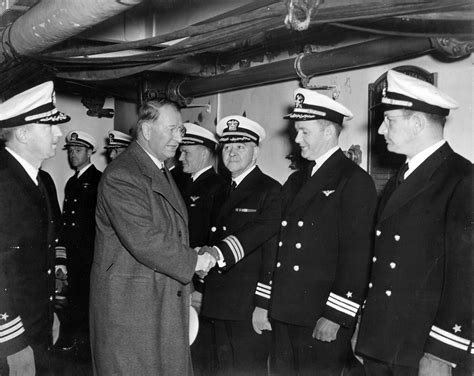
(401,174)
(233,186)
(163,169)
(310,169)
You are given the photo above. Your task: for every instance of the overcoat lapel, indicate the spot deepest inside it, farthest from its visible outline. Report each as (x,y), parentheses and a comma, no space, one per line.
(164,185)
(245,189)
(416,183)
(322,178)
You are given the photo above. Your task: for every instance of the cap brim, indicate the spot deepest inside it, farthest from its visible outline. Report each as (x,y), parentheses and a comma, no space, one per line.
(73,143)
(382,107)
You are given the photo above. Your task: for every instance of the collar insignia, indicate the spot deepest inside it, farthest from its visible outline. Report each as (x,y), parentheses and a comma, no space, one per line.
(329,192)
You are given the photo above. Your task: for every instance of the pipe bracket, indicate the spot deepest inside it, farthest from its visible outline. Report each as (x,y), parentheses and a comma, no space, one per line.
(173,92)
(9,53)
(297,65)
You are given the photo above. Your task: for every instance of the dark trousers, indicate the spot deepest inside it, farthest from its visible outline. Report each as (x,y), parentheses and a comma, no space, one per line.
(43,362)
(295,352)
(74,317)
(375,367)
(227,348)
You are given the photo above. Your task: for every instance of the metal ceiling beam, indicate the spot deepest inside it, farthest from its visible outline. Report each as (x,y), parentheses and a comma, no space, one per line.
(374,52)
(51,22)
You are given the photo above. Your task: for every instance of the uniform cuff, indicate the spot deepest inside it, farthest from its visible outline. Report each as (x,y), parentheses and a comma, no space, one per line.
(231,249)
(342,304)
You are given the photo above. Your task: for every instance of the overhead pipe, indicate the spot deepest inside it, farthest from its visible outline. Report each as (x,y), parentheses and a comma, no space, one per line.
(50,22)
(374,52)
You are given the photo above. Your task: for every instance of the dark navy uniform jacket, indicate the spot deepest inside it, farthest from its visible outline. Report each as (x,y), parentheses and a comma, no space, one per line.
(325,244)
(245,231)
(28,233)
(420,292)
(80,197)
(203,199)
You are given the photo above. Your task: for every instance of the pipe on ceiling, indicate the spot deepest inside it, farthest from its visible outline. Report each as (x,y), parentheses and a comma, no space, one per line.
(374,52)
(51,22)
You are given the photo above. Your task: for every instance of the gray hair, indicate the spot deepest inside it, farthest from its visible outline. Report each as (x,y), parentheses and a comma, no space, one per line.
(150,111)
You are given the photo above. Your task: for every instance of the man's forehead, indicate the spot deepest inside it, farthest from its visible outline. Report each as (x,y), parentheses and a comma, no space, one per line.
(308,124)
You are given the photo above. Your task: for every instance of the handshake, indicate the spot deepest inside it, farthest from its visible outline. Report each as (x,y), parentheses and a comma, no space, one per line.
(207,259)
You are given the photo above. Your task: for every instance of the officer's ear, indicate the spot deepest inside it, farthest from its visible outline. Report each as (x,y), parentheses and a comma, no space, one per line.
(22,133)
(256,150)
(418,123)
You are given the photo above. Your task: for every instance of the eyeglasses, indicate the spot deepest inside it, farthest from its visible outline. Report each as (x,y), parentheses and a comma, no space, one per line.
(180,130)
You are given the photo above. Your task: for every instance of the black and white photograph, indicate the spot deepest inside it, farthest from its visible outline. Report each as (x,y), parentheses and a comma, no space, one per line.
(236,187)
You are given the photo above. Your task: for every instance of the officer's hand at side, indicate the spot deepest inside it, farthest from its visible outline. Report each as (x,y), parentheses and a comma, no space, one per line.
(22,363)
(325,330)
(61,281)
(260,320)
(431,365)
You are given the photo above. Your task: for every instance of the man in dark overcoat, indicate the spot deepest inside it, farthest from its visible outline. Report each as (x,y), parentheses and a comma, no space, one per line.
(30,219)
(324,248)
(77,236)
(418,316)
(143,265)
(237,292)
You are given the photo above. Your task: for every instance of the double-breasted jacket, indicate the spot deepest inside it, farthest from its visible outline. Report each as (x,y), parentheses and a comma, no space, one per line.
(324,247)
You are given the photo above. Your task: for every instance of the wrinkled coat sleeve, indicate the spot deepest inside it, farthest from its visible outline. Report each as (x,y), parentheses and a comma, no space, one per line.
(127,204)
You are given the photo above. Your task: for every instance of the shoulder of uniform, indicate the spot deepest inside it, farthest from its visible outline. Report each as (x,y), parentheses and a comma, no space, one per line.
(270,182)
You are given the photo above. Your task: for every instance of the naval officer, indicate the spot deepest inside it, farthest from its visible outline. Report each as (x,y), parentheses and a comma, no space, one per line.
(197,156)
(30,220)
(236,295)
(203,195)
(417,318)
(324,248)
(117,142)
(80,196)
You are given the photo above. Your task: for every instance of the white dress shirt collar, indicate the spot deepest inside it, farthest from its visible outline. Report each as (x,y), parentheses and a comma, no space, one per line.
(82,170)
(323,158)
(155,160)
(418,159)
(200,172)
(242,176)
(29,168)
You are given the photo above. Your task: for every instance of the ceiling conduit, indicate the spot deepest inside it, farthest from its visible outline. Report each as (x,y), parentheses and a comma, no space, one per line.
(374,52)
(51,22)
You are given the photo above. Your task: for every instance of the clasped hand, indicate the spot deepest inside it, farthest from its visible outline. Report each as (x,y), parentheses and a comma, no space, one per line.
(207,259)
